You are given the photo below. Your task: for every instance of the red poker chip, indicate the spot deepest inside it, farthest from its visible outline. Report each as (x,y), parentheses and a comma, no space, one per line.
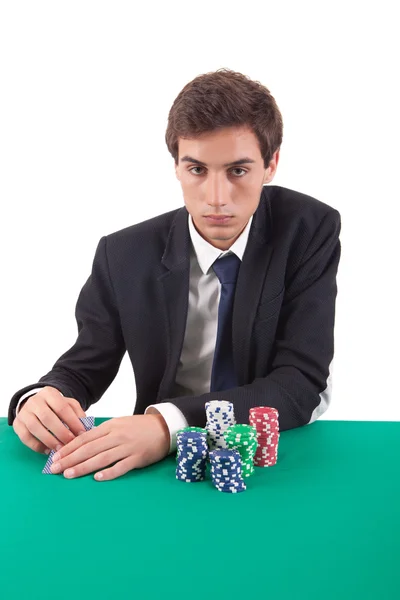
(269,452)
(268,439)
(264,416)
(265,456)
(263,453)
(272,429)
(269,444)
(263,429)
(269,458)
(267,412)
(265,426)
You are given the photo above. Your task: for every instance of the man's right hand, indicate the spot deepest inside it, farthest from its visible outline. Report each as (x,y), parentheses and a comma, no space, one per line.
(39,422)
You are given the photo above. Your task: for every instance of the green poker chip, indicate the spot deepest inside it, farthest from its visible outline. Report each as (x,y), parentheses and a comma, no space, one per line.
(247,448)
(198,429)
(241,429)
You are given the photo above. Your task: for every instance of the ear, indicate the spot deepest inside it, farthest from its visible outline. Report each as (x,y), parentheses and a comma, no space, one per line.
(273,165)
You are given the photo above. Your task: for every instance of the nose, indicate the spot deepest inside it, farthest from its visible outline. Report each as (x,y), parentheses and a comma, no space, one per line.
(217,192)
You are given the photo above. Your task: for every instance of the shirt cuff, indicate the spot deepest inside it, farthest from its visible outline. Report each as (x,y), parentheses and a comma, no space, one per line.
(26,395)
(174,418)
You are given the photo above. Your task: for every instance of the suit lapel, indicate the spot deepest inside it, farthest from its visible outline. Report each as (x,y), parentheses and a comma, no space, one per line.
(174,284)
(175,293)
(250,283)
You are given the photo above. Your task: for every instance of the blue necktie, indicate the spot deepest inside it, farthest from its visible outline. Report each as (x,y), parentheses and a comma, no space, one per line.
(223,375)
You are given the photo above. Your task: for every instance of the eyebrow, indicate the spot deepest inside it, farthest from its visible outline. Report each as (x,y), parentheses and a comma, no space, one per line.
(240,161)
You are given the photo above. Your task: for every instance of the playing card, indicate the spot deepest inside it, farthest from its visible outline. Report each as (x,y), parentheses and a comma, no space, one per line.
(88,423)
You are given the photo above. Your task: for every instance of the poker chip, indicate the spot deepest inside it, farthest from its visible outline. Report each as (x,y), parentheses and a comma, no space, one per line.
(192,454)
(226,471)
(197,429)
(266,421)
(220,416)
(243,438)
(233,449)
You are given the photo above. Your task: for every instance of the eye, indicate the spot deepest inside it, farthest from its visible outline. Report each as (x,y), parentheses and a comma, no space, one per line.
(234,169)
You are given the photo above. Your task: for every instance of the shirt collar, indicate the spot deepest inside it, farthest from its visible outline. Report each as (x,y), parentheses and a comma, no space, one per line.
(207,254)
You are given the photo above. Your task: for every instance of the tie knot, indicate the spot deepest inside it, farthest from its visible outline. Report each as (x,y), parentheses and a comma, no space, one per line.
(227,268)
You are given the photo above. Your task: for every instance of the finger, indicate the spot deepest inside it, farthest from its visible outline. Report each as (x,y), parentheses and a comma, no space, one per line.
(52,423)
(85,452)
(81,440)
(77,408)
(64,413)
(122,467)
(27,438)
(34,425)
(93,464)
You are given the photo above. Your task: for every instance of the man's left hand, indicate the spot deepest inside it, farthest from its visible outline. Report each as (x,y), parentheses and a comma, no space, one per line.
(130,442)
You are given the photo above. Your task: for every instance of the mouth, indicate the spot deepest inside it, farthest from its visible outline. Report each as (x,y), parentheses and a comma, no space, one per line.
(218,220)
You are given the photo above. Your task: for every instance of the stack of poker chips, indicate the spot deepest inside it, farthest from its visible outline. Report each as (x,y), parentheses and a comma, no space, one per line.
(220,416)
(192,454)
(265,420)
(243,438)
(226,471)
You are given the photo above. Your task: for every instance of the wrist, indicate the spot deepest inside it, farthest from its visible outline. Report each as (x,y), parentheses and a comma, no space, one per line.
(164,430)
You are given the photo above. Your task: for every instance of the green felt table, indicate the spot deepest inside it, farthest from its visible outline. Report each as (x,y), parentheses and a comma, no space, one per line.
(322,523)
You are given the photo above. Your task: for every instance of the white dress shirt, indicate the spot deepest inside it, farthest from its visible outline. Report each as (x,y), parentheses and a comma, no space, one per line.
(193,376)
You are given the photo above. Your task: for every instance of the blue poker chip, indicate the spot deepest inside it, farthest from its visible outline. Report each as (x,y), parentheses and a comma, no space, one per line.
(192,436)
(226,470)
(199,448)
(192,455)
(225,475)
(189,479)
(231,490)
(190,472)
(237,483)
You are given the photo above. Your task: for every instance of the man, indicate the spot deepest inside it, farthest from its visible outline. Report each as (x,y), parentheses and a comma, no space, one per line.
(230,297)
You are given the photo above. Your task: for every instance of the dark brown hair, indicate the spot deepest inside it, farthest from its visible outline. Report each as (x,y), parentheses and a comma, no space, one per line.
(225,98)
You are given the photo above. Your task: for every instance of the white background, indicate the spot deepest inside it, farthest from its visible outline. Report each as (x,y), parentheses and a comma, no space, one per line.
(86,88)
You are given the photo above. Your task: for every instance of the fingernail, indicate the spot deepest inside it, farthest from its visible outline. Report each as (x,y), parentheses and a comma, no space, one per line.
(58,447)
(56,457)
(56,467)
(47,451)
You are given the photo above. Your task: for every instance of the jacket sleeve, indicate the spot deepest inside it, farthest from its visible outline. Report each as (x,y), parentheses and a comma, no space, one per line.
(304,342)
(89,367)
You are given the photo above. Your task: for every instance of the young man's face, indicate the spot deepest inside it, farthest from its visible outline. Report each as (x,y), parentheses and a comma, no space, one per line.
(214,189)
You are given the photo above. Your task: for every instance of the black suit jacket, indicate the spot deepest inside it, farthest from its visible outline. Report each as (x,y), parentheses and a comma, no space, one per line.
(136,299)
